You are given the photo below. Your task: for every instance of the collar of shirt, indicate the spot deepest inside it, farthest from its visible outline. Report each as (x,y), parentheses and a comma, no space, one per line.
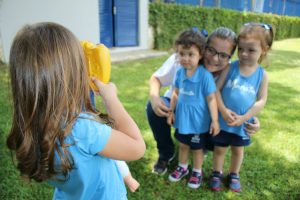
(195,77)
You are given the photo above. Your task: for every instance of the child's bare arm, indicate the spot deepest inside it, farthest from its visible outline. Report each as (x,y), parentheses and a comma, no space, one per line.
(227,114)
(258,105)
(157,104)
(126,141)
(213,109)
(171,117)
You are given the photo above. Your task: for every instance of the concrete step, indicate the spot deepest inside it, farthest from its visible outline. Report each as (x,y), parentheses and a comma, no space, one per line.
(117,56)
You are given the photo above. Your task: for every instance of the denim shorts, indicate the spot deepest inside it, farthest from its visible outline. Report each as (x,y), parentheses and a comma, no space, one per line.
(225,139)
(194,141)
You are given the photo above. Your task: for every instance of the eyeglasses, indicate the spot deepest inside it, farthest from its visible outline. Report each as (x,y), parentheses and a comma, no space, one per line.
(265,26)
(221,55)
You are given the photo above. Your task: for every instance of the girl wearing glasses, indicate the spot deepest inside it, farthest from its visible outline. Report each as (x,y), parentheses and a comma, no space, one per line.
(220,46)
(242,93)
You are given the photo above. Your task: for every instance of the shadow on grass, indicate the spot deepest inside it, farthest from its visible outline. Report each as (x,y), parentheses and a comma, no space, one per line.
(264,175)
(266,172)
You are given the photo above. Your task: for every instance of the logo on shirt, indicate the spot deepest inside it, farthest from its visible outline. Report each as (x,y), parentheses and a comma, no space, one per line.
(189,93)
(245,88)
(195,139)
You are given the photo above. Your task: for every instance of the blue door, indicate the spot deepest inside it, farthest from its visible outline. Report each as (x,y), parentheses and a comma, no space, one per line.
(118,22)
(106,22)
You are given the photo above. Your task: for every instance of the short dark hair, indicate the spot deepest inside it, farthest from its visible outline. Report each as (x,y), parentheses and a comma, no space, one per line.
(192,37)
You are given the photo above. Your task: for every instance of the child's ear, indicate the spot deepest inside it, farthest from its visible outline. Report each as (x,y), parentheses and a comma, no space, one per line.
(267,49)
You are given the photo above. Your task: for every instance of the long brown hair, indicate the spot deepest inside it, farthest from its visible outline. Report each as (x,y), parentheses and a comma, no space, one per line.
(49,84)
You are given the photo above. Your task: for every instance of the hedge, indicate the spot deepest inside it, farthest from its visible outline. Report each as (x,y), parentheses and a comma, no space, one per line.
(168,20)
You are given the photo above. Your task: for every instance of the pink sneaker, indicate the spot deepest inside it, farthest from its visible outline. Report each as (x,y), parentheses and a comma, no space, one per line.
(195,180)
(178,174)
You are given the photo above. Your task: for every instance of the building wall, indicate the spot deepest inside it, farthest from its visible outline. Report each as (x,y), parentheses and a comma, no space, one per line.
(80,17)
(143,24)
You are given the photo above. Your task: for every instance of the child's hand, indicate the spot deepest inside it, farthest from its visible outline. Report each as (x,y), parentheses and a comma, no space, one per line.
(214,128)
(238,121)
(229,116)
(171,118)
(253,127)
(106,91)
(159,107)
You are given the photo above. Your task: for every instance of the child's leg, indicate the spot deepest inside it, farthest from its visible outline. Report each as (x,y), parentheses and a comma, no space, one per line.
(183,154)
(196,176)
(182,168)
(131,183)
(237,155)
(218,158)
(198,156)
(215,180)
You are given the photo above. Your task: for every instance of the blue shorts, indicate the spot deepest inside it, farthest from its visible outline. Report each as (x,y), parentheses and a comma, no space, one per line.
(225,139)
(194,141)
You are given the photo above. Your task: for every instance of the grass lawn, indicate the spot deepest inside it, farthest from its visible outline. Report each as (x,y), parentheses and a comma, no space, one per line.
(271,167)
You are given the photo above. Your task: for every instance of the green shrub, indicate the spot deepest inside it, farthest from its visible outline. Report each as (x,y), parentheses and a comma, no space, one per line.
(168,20)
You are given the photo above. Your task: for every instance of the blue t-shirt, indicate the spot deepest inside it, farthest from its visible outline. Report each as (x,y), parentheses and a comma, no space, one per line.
(93,176)
(239,93)
(192,114)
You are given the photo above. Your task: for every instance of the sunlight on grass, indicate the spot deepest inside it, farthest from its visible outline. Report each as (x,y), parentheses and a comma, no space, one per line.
(283,102)
(271,163)
(288,44)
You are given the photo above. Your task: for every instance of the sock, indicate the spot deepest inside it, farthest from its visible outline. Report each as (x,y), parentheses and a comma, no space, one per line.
(220,172)
(184,166)
(197,170)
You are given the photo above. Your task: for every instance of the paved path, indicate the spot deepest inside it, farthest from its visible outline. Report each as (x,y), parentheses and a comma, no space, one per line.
(118,56)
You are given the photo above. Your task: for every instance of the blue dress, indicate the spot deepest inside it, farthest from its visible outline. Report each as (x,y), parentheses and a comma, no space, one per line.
(93,176)
(239,94)
(192,115)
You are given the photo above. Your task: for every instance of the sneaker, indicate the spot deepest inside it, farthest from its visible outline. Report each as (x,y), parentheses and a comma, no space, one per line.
(161,166)
(234,182)
(195,180)
(215,181)
(178,174)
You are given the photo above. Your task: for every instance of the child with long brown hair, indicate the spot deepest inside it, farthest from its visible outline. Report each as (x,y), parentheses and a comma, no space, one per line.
(56,135)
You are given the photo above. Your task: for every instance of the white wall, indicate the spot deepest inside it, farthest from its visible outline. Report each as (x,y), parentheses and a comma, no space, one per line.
(80,16)
(143,24)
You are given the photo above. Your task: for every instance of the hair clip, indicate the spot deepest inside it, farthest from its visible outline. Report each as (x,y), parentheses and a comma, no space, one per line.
(204,32)
(265,26)
(195,29)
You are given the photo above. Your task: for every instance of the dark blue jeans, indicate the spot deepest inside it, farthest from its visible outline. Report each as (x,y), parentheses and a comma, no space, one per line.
(161,131)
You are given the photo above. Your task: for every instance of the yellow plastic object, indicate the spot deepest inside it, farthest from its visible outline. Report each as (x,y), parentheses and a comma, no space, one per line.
(98,62)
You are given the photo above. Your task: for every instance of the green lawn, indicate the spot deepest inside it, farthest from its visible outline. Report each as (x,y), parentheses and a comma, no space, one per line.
(271,168)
